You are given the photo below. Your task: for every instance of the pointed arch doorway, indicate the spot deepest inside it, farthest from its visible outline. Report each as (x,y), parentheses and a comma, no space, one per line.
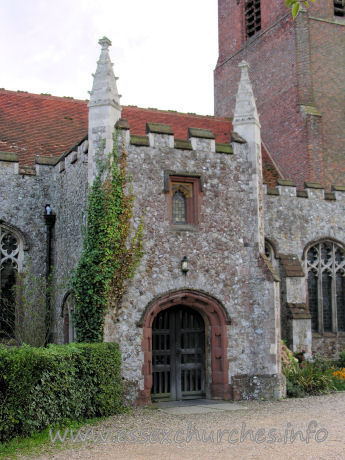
(207,369)
(178,354)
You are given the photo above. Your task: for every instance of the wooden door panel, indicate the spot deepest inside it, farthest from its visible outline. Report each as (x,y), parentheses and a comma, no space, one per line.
(178,354)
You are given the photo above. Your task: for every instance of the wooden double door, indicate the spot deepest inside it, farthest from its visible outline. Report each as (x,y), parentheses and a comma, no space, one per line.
(178,354)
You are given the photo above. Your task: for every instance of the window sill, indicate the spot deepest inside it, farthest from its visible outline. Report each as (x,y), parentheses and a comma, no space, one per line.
(328,334)
(184,228)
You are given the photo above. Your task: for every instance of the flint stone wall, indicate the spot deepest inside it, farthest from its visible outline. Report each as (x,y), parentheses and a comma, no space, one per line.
(222,259)
(70,200)
(291,224)
(22,205)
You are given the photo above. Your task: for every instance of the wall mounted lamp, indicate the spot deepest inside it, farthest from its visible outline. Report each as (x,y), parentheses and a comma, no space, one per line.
(48,210)
(184,265)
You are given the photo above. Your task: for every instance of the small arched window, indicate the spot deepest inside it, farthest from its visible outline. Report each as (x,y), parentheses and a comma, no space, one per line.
(326,286)
(269,252)
(179,208)
(10,260)
(67,313)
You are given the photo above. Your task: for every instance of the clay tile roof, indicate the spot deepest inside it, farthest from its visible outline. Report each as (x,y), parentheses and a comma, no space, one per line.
(179,122)
(32,124)
(40,124)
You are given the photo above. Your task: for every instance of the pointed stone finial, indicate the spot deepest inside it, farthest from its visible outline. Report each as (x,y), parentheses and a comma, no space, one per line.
(246,124)
(104,42)
(104,109)
(245,109)
(104,88)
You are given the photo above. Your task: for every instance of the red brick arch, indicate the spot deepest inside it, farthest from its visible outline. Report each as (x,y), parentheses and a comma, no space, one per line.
(218,319)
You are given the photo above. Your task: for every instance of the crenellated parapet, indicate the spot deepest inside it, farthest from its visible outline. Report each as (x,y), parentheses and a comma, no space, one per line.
(78,153)
(286,188)
(159,135)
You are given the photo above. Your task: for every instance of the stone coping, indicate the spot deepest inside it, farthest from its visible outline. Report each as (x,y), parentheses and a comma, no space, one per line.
(338,188)
(183,144)
(286,182)
(330,196)
(237,138)
(298,311)
(224,148)
(302,194)
(122,123)
(313,185)
(159,128)
(291,265)
(27,170)
(273,191)
(8,156)
(140,140)
(50,161)
(201,133)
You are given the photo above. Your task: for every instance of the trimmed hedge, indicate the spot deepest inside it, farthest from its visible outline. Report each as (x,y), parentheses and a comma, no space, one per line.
(44,386)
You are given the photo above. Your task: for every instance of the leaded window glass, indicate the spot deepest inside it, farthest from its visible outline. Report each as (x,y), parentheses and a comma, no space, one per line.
(9,262)
(179,208)
(326,290)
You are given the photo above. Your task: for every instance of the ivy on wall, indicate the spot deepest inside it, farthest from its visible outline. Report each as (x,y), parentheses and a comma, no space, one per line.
(110,252)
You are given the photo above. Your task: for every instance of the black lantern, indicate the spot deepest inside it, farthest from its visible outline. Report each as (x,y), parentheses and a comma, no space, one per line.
(48,210)
(184,265)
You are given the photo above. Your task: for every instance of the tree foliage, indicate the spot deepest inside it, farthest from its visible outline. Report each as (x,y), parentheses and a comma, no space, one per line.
(295,5)
(25,316)
(110,253)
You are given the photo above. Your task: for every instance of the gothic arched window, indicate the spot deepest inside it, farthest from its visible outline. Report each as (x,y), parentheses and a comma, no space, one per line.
(326,286)
(179,208)
(10,259)
(67,313)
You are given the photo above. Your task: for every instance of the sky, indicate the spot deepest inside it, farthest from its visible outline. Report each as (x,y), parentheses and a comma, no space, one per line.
(163,52)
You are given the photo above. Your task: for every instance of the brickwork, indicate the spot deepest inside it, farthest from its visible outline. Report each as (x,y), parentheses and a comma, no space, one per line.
(296,70)
(271,56)
(327,65)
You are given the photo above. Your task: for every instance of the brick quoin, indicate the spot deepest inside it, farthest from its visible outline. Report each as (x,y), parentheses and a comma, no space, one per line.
(297,70)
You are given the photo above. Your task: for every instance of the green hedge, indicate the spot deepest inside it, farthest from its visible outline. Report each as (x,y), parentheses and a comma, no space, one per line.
(43,386)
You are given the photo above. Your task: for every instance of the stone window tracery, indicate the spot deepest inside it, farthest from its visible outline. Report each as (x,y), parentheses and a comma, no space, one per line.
(184,198)
(10,259)
(326,286)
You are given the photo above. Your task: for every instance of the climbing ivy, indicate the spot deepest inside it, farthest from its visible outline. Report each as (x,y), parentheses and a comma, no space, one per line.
(110,252)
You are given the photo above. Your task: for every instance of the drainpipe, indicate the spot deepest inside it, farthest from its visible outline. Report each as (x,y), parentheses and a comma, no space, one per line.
(49,218)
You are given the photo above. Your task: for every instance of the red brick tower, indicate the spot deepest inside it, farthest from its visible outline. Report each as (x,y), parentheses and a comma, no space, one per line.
(298,75)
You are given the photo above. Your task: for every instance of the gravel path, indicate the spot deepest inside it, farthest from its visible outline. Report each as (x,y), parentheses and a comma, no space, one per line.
(129,434)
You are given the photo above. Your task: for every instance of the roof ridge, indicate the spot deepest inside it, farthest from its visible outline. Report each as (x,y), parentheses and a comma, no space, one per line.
(19,92)
(129,106)
(171,112)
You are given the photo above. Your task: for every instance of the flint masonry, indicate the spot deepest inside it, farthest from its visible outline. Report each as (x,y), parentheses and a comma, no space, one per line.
(244,211)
